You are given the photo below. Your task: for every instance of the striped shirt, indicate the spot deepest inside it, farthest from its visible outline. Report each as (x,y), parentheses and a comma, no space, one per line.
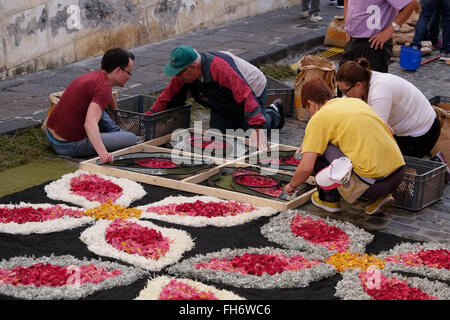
(366,18)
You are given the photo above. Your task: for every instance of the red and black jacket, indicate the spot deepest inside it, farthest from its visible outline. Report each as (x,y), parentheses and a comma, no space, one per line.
(223,89)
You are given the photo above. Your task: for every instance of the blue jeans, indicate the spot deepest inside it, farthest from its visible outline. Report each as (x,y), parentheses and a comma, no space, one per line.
(312,6)
(434,27)
(112,136)
(428,8)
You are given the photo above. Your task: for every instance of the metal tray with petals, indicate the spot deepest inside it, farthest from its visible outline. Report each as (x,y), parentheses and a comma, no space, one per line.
(185,165)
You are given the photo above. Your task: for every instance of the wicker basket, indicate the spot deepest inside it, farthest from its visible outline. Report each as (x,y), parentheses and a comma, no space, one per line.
(311,67)
(53,99)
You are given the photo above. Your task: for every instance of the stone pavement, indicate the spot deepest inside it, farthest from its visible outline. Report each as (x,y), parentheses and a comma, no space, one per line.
(264,38)
(268,38)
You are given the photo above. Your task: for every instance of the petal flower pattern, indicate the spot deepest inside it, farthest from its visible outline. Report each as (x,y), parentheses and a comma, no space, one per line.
(61,277)
(149,252)
(261,268)
(427,259)
(92,189)
(379,284)
(26,218)
(166,288)
(295,229)
(200,211)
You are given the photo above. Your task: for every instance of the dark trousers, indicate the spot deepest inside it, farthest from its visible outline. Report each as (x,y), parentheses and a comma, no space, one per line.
(419,147)
(379,59)
(222,122)
(379,186)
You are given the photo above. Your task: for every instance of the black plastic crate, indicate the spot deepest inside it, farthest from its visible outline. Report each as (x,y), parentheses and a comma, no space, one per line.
(131,116)
(439,99)
(277,89)
(423,184)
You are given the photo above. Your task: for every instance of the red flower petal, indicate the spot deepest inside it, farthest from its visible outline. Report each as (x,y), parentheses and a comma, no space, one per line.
(95,188)
(136,239)
(40,274)
(258,264)
(318,232)
(23,215)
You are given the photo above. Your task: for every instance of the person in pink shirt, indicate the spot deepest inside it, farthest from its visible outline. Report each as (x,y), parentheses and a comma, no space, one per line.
(369,25)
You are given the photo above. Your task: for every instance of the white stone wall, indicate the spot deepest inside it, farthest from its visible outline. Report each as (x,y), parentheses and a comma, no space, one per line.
(37,35)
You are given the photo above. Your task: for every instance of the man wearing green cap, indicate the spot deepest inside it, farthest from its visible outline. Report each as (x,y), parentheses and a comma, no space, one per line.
(235,90)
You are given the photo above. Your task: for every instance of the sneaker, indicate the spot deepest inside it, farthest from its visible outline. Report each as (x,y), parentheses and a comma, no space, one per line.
(332,207)
(332,2)
(340,7)
(315,18)
(304,14)
(380,205)
(277,105)
(436,45)
(445,56)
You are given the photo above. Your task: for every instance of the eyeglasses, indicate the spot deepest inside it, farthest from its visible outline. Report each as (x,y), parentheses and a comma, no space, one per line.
(129,73)
(344,92)
(184,70)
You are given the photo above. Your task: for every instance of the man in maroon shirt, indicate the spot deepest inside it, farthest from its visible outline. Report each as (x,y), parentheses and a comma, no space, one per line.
(79,126)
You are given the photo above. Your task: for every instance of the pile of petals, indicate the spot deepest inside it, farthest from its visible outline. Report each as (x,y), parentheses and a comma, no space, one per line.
(258,182)
(252,180)
(178,290)
(40,274)
(136,239)
(156,163)
(318,232)
(257,264)
(282,160)
(439,258)
(26,214)
(200,211)
(113,211)
(290,160)
(380,287)
(95,188)
(200,143)
(353,260)
(203,209)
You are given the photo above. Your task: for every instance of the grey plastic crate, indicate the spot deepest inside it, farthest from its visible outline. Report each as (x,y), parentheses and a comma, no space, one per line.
(277,89)
(131,116)
(422,185)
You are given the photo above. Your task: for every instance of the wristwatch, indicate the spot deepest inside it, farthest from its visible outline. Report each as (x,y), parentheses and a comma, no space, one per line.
(395,26)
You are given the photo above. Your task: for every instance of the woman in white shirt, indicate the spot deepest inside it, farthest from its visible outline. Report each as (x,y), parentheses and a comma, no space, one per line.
(397,101)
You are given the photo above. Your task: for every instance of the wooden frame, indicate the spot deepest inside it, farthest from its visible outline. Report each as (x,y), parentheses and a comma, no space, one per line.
(192,183)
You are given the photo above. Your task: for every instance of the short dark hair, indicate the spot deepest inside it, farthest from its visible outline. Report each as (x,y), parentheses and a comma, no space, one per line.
(316,90)
(116,58)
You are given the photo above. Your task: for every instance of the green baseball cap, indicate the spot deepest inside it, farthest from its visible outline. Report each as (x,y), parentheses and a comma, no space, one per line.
(180,58)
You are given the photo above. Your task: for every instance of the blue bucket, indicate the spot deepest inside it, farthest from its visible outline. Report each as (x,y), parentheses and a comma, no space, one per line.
(410,58)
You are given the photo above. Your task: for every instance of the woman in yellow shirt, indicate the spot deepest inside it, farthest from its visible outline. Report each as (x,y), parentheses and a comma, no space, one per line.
(347,127)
